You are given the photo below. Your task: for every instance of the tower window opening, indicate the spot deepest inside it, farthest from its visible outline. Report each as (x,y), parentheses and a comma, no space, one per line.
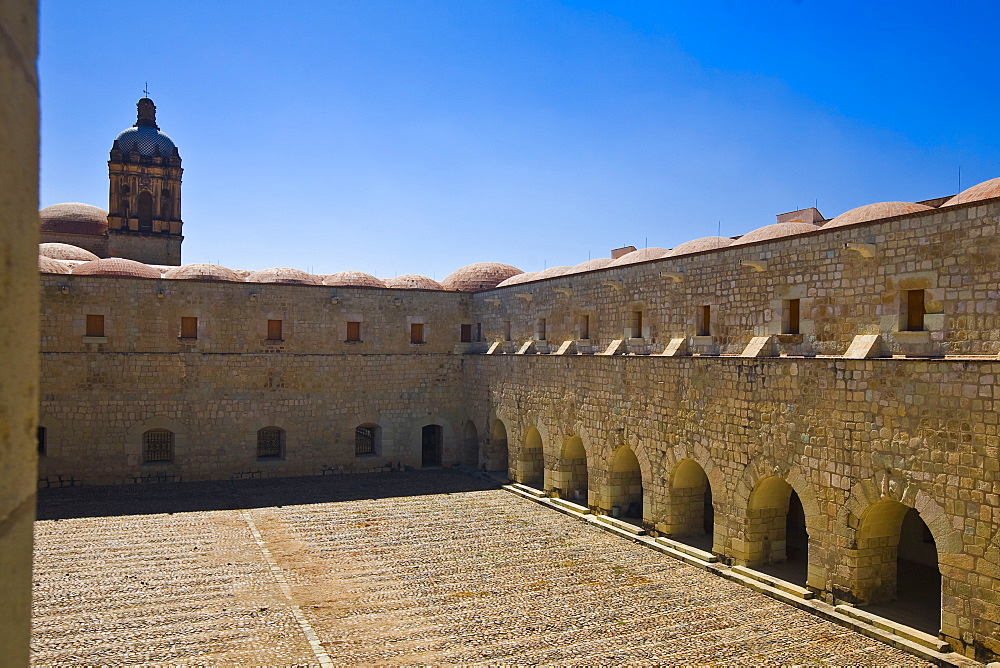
(914,309)
(705,321)
(790,316)
(95,325)
(189,328)
(274,330)
(145,211)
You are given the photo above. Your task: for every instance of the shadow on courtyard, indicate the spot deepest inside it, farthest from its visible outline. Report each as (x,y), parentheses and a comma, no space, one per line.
(181,497)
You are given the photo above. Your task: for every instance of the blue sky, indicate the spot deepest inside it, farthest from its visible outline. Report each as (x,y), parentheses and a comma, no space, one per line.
(417,137)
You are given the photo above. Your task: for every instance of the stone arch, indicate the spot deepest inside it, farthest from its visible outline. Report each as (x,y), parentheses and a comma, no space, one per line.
(530,467)
(497,450)
(626,485)
(470,444)
(133,438)
(900,545)
(689,512)
(385,445)
(570,475)
(771,499)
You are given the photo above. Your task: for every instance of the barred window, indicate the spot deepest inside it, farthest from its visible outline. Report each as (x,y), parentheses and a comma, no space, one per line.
(366,439)
(270,443)
(157,446)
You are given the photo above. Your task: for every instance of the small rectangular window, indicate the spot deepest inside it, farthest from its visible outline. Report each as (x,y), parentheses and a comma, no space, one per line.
(274,330)
(466,333)
(790,316)
(637,324)
(365,440)
(705,321)
(915,310)
(583,327)
(95,325)
(540,327)
(417,333)
(479,332)
(189,328)
(354,331)
(506,330)
(157,446)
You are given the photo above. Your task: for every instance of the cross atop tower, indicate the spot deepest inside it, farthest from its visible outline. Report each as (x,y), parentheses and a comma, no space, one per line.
(145,90)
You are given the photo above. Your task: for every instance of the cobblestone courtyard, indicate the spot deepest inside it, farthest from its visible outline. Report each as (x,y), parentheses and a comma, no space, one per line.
(431,567)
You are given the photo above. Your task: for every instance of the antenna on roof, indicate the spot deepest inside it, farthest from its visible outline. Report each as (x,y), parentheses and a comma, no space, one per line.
(145,89)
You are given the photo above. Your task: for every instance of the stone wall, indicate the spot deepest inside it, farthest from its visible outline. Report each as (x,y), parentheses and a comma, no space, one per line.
(145,247)
(950,253)
(845,435)
(19,314)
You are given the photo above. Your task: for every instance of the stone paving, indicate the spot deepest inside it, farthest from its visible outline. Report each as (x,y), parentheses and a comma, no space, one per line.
(428,567)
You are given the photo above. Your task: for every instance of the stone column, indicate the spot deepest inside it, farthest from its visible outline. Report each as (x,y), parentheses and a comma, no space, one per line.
(18,319)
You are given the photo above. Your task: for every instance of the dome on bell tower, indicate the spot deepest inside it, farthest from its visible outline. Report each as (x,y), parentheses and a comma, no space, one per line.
(145,137)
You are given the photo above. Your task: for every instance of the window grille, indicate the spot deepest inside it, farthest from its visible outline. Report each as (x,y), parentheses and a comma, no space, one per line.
(158,446)
(364,440)
(269,442)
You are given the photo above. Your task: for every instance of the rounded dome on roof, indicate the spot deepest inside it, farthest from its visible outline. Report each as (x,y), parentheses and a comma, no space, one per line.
(145,141)
(413,282)
(283,275)
(552,272)
(984,190)
(479,276)
(201,271)
(863,214)
(65,252)
(699,245)
(74,218)
(115,266)
(354,278)
(641,255)
(774,231)
(519,278)
(590,265)
(47,265)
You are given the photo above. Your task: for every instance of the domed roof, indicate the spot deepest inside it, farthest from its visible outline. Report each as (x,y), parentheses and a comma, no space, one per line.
(354,278)
(479,276)
(65,252)
(115,266)
(283,275)
(774,231)
(74,218)
(699,245)
(201,271)
(551,272)
(519,278)
(590,265)
(147,142)
(984,190)
(641,255)
(413,282)
(863,214)
(47,265)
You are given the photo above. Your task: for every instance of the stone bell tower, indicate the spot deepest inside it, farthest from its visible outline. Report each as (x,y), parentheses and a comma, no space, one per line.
(144,201)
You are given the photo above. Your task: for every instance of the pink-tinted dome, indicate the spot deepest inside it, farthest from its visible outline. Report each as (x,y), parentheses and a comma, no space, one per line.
(876,211)
(283,275)
(985,190)
(47,265)
(479,276)
(552,272)
(520,278)
(413,282)
(700,245)
(354,278)
(74,218)
(203,272)
(775,231)
(115,266)
(641,255)
(590,265)
(65,252)
(242,273)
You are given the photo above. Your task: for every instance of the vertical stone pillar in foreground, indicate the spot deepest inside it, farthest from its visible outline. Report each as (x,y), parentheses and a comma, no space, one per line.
(18,319)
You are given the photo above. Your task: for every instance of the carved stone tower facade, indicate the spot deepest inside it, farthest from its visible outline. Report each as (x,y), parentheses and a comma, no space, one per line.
(144,202)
